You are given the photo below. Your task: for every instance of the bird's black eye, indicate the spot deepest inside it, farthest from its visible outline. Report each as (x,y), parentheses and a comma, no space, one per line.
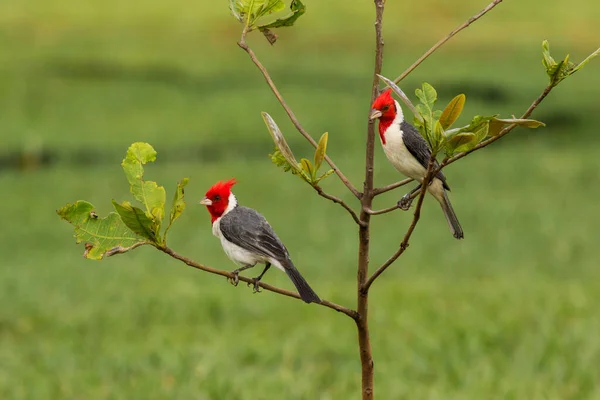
(217,198)
(385,108)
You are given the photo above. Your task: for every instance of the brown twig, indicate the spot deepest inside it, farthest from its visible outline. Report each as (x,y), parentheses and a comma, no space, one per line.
(362,322)
(411,228)
(349,312)
(339,201)
(393,186)
(445,39)
(383,211)
(290,113)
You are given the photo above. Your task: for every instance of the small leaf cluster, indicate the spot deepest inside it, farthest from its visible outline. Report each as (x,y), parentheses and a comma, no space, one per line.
(129,226)
(283,157)
(435,125)
(557,71)
(251,13)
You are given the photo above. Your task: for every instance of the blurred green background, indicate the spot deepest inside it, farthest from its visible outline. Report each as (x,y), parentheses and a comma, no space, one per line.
(511,312)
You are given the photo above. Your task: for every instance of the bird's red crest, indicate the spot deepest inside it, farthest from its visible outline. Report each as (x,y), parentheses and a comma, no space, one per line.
(384,99)
(387,106)
(218,196)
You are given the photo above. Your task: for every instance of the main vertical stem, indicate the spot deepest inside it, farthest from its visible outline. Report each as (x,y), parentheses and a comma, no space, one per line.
(362,322)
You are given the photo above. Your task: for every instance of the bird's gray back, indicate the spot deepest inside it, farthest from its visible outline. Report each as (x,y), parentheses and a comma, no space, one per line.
(250,230)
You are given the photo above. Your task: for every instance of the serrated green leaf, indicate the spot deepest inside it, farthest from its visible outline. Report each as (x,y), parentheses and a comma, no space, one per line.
(178,203)
(497,124)
(268,7)
(152,196)
(452,111)
(100,234)
(296,8)
(321,150)
(137,220)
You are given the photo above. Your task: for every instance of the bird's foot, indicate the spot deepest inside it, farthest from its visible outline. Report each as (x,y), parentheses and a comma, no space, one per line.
(255,285)
(235,279)
(405,202)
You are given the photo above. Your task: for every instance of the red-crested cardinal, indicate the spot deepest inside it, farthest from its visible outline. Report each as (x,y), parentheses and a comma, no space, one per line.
(248,239)
(409,153)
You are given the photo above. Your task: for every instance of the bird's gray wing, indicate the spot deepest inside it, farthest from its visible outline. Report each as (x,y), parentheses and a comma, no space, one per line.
(418,147)
(251,231)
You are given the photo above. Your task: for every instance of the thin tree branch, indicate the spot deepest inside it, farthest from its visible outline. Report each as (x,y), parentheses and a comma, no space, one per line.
(339,201)
(378,191)
(448,37)
(349,312)
(290,113)
(411,228)
(383,211)
(362,322)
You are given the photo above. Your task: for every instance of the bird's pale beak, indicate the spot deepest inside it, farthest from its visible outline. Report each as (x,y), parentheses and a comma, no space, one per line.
(206,201)
(375,114)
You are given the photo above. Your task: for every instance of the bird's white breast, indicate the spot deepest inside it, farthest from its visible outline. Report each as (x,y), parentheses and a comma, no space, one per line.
(235,253)
(397,153)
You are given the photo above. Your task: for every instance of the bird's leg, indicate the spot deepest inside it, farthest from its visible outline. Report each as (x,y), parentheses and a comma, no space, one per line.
(407,200)
(236,278)
(258,278)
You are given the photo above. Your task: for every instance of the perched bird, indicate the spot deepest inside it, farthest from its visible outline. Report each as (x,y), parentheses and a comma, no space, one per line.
(409,153)
(248,239)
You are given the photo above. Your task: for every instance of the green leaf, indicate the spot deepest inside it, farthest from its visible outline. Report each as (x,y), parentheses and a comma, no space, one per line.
(587,60)
(137,220)
(152,196)
(296,8)
(460,142)
(308,170)
(100,234)
(280,143)
(321,150)
(248,11)
(497,124)
(427,95)
(178,203)
(325,175)
(452,111)
(547,59)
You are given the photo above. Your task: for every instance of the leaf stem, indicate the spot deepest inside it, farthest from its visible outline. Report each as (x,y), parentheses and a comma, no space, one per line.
(411,228)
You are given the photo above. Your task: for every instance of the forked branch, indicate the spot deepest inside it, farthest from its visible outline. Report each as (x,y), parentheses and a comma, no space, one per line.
(339,201)
(349,312)
(409,232)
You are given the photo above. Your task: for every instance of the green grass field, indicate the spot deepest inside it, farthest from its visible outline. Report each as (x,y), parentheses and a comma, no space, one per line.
(511,312)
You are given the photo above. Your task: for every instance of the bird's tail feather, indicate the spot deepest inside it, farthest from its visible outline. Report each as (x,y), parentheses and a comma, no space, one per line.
(453,223)
(304,290)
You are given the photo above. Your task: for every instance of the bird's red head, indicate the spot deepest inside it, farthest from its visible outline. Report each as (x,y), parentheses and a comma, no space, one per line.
(384,109)
(216,199)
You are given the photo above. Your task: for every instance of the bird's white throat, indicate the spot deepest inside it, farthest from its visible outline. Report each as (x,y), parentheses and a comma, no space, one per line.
(231,205)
